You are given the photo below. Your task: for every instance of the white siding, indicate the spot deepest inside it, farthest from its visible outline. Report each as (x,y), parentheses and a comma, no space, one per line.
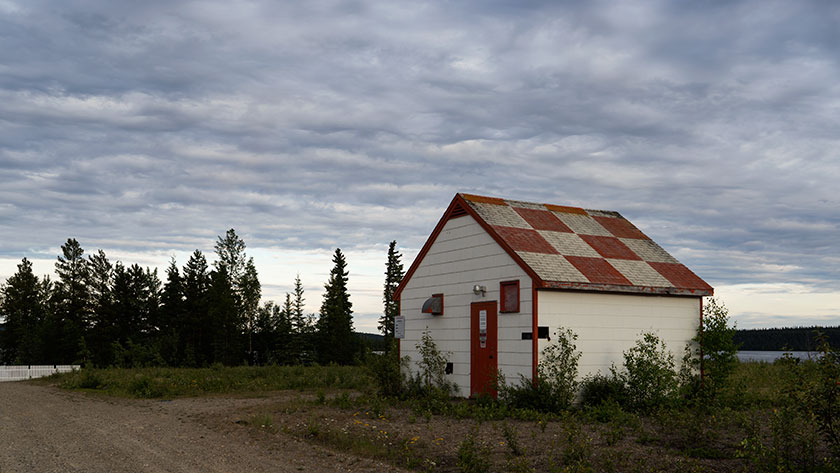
(462,256)
(609,324)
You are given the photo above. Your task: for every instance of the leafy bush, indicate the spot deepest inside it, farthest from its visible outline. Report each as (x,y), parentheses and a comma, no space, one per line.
(87,378)
(649,375)
(430,380)
(599,389)
(559,368)
(386,370)
(556,386)
(715,341)
(822,395)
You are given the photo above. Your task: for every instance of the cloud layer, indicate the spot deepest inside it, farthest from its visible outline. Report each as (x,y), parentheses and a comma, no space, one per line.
(155,126)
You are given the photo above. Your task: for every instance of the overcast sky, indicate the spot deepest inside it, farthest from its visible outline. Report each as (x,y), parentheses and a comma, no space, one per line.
(148,128)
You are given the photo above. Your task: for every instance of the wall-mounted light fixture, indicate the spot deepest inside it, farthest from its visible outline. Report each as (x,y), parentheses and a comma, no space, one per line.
(479,290)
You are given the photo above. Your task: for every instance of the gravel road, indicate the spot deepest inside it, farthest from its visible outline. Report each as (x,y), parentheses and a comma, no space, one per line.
(44,429)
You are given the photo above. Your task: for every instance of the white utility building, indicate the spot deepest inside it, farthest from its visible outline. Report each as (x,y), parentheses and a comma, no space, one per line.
(497,277)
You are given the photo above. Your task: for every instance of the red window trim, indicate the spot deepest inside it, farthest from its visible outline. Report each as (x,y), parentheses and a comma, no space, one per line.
(441,304)
(503,299)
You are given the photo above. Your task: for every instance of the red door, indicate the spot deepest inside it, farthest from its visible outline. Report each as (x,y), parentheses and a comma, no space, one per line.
(484,327)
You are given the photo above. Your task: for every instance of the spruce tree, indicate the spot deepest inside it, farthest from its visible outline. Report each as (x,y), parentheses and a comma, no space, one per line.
(336,341)
(172,314)
(225,322)
(393,276)
(196,285)
(23,308)
(299,323)
(100,283)
(250,293)
(301,343)
(71,306)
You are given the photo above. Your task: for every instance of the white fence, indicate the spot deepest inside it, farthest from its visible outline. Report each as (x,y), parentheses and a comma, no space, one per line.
(17,373)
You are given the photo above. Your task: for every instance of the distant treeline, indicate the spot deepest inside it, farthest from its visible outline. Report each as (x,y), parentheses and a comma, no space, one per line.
(788,338)
(102,313)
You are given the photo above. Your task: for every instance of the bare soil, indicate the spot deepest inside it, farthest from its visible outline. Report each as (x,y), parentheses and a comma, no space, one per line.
(45,429)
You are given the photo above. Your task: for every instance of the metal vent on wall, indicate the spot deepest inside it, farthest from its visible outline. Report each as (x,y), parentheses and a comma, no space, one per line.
(433,305)
(458,211)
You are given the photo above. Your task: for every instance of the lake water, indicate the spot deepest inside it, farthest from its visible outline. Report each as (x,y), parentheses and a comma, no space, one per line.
(771,356)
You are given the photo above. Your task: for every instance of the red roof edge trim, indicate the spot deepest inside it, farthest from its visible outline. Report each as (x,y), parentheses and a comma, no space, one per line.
(616,288)
(484,199)
(455,209)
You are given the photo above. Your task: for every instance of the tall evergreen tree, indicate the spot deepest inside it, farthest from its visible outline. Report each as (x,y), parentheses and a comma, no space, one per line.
(300,324)
(100,280)
(196,285)
(301,343)
(242,276)
(103,321)
(283,324)
(393,275)
(23,308)
(336,341)
(71,306)
(172,314)
(250,293)
(225,321)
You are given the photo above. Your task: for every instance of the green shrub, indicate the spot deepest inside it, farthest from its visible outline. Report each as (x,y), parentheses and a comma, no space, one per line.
(822,394)
(386,370)
(430,381)
(473,455)
(559,368)
(609,411)
(556,386)
(715,340)
(144,387)
(526,395)
(599,389)
(649,374)
(90,379)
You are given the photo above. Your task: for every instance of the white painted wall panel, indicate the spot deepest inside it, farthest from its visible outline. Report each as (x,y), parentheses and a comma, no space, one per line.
(609,324)
(462,256)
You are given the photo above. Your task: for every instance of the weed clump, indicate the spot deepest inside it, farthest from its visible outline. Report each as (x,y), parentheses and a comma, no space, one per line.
(473,456)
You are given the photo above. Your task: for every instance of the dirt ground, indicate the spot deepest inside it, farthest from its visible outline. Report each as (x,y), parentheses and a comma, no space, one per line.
(45,429)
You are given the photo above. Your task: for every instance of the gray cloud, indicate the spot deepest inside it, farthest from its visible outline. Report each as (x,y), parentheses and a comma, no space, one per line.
(711,125)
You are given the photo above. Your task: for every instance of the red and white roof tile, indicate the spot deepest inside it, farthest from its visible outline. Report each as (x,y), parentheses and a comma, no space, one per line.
(583,248)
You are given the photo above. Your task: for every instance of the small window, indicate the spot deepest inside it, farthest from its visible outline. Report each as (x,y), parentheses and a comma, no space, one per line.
(433,305)
(509,291)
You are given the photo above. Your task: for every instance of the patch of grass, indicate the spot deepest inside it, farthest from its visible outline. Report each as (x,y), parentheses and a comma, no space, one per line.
(181,382)
(262,422)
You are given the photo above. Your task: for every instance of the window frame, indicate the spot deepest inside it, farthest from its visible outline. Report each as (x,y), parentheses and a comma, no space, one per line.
(503,302)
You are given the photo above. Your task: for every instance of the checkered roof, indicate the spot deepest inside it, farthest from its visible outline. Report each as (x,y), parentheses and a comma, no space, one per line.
(574,248)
